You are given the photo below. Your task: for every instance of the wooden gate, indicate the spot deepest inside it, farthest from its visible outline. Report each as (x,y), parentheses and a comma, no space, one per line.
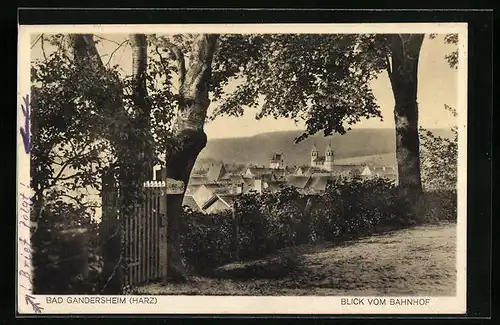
(135,248)
(145,237)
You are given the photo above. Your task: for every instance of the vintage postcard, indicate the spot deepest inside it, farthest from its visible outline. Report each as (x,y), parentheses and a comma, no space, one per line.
(314,169)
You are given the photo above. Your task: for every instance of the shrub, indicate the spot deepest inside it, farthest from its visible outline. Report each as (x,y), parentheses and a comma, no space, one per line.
(441,205)
(206,239)
(270,221)
(438,158)
(282,213)
(353,207)
(65,258)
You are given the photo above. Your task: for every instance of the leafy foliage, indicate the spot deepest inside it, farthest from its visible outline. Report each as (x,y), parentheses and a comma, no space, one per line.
(67,259)
(270,221)
(84,125)
(451,58)
(438,156)
(85,122)
(322,79)
(356,207)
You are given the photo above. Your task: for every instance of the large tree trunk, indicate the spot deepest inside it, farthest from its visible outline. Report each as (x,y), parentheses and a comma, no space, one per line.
(403,75)
(189,139)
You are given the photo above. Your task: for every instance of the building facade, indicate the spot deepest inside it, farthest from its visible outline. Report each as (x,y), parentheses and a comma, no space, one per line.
(276,161)
(325,162)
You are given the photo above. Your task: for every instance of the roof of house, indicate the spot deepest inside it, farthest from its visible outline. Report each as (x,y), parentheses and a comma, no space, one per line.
(216,172)
(312,170)
(268,177)
(275,185)
(388,169)
(199,172)
(191,188)
(234,179)
(297,181)
(301,168)
(319,159)
(209,202)
(197,180)
(191,203)
(319,182)
(248,182)
(258,171)
(228,199)
(217,188)
(279,173)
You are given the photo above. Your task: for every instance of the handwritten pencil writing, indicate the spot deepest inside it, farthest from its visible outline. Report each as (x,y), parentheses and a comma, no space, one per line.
(25,249)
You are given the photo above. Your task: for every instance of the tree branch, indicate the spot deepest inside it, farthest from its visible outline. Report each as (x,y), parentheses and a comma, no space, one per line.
(43,48)
(68,177)
(106,39)
(36,41)
(66,164)
(179,57)
(115,50)
(202,51)
(162,61)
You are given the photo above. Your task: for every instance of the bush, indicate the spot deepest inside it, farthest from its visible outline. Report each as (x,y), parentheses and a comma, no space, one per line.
(441,205)
(357,207)
(438,158)
(270,221)
(206,239)
(65,258)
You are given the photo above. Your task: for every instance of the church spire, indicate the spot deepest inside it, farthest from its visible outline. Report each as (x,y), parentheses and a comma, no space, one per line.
(314,149)
(329,155)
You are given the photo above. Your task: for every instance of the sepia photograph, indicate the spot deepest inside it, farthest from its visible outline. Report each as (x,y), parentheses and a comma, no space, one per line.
(258,161)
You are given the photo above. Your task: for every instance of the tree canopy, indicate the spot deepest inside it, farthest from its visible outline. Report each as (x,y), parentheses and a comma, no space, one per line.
(319,78)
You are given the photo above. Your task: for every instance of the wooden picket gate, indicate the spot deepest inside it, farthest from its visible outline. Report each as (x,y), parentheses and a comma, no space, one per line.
(134,248)
(145,237)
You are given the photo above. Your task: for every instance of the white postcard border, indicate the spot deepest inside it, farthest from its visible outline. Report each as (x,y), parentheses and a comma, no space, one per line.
(28,303)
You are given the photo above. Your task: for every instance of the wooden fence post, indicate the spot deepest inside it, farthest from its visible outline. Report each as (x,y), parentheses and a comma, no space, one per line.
(236,229)
(162,240)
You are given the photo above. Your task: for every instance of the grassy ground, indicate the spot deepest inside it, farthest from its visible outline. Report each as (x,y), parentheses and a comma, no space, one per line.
(416,261)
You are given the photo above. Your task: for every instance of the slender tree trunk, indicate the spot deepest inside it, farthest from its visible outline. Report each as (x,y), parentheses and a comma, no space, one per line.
(403,75)
(139,46)
(189,139)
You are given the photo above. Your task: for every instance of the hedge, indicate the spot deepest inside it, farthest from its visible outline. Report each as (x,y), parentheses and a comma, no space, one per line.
(266,222)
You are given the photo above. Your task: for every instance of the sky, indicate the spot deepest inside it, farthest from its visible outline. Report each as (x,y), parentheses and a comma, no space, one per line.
(437,86)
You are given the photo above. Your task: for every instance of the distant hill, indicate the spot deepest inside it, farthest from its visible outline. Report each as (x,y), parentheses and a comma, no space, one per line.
(383,159)
(259,148)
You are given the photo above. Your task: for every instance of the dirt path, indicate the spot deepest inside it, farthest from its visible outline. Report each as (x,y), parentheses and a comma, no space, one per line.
(417,261)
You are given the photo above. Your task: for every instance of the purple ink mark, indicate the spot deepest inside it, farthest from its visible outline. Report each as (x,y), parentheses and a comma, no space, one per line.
(30,300)
(25,132)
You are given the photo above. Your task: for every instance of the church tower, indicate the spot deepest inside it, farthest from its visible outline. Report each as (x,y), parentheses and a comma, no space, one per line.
(329,158)
(314,155)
